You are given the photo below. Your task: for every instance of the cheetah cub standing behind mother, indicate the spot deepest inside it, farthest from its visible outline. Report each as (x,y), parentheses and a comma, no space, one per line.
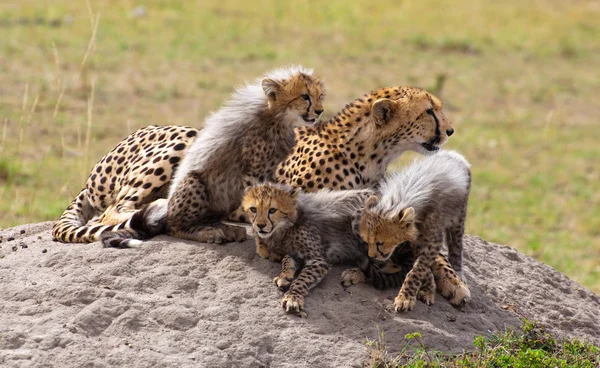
(419,207)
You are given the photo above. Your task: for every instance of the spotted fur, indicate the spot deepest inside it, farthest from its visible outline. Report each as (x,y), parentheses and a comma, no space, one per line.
(420,207)
(352,150)
(134,173)
(242,142)
(309,232)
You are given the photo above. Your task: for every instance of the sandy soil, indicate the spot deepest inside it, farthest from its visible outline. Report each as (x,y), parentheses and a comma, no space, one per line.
(175,303)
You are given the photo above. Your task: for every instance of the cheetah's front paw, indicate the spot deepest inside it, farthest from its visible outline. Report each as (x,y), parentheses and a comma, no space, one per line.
(427,296)
(453,289)
(293,304)
(283,283)
(262,251)
(235,234)
(404,303)
(224,234)
(352,276)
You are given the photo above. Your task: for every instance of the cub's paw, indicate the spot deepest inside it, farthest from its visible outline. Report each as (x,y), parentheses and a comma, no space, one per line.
(233,234)
(453,289)
(352,276)
(211,235)
(283,283)
(462,295)
(274,257)
(427,296)
(293,304)
(262,251)
(404,303)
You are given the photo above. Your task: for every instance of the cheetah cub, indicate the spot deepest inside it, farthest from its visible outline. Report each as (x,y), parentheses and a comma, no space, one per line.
(419,207)
(309,230)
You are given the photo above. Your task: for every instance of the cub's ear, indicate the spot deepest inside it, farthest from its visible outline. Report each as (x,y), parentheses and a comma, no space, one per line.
(371,202)
(271,87)
(295,192)
(407,215)
(383,111)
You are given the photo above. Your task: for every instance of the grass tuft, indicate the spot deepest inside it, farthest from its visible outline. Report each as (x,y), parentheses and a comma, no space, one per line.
(530,347)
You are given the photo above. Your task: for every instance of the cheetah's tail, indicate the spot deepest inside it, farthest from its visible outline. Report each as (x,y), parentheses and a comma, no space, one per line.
(144,224)
(71,225)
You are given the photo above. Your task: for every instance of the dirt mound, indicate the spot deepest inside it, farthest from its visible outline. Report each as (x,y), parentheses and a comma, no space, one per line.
(178,303)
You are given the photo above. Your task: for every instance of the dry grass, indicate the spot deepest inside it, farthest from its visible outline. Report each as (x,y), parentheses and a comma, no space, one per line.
(518,78)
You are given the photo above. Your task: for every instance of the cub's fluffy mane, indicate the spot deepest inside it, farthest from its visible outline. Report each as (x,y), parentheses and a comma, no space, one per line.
(326,205)
(230,122)
(429,178)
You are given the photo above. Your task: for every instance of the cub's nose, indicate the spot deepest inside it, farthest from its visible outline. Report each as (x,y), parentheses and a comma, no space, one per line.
(449,132)
(261,226)
(319,112)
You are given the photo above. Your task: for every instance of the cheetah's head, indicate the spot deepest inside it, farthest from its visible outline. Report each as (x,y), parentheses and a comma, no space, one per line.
(384,233)
(413,121)
(270,207)
(296,93)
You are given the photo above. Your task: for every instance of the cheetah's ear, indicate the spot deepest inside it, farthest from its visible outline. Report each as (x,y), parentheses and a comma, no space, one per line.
(383,110)
(407,216)
(371,202)
(271,87)
(295,192)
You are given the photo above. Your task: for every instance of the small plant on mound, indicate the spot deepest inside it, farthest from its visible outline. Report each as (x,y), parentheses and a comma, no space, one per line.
(530,347)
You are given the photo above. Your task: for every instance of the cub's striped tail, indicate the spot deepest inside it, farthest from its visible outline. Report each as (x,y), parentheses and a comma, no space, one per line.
(144,224)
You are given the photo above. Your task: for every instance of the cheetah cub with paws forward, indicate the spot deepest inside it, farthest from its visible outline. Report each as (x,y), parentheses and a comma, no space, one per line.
(309,230)
(419,207)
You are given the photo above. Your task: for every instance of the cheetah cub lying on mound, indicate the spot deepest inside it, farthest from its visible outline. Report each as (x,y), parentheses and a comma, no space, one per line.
(419,207)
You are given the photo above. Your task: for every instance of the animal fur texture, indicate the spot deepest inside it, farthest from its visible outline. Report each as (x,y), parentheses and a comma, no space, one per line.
(241,143)
(421,207)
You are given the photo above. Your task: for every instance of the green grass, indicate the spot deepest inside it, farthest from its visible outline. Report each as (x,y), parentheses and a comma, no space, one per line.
(530,347)
(518,78)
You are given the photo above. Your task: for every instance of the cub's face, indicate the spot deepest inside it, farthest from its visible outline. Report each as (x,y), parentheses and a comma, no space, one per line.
(270,207)
(415,120)
(384,234)
(300,97)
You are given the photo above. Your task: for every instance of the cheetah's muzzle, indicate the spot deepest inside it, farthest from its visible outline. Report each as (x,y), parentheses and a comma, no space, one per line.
(309,120)
(431,146)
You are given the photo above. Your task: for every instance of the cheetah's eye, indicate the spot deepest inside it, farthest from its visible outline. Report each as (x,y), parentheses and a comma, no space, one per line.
(305,97)
(272,210)
(379,244)
(253,209)
(321,97)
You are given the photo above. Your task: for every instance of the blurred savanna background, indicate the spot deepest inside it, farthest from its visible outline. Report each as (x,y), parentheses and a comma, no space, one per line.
(520,79)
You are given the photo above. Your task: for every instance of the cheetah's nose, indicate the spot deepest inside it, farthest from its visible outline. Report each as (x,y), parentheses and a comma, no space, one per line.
(319,112)
(449,132)
(261,226)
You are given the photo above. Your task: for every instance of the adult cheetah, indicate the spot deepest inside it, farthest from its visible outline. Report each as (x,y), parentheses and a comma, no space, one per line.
(135,172)
(354,148)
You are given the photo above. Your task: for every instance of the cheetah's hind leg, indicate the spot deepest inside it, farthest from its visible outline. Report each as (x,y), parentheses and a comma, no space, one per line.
(190,215)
